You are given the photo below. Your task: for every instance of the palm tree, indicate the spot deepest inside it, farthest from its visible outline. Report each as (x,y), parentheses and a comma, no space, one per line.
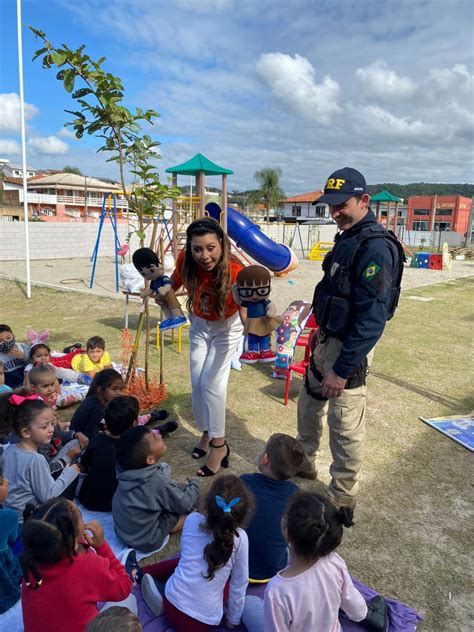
(269,192)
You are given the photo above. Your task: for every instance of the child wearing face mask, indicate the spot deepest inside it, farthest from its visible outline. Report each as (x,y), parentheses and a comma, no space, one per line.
(14,356)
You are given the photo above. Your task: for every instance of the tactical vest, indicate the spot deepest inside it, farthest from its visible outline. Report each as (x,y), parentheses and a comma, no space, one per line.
(333,300)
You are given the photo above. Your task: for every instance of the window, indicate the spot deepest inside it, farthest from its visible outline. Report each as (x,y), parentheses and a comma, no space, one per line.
(69,192)
(296,211)
(420,226)
(444,211)
(321,210)
(47,211)
(442,226)
(421,211)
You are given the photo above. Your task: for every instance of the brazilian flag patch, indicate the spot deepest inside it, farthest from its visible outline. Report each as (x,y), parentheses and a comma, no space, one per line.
(371,271)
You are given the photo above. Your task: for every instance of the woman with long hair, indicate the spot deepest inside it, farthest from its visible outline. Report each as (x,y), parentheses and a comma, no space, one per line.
(207,270)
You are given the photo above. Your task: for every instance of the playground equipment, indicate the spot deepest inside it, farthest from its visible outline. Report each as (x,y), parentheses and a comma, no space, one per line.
(276,257)
(320,250)
(109,210)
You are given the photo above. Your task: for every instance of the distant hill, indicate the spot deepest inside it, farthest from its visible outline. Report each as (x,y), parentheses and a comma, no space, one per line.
(423,188)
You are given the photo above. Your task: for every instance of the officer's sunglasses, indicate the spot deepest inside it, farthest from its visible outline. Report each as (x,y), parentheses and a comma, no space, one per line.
(247,292)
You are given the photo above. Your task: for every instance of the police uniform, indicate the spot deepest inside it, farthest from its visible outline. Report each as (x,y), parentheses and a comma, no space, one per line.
(357,295)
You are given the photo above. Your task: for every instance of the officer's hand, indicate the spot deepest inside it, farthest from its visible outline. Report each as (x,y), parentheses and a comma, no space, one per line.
(332,385)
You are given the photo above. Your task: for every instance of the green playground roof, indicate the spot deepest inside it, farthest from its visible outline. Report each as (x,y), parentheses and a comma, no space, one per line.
(196,164)
(385,196)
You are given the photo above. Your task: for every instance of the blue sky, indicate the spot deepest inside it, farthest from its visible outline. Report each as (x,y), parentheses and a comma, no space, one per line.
(385,86)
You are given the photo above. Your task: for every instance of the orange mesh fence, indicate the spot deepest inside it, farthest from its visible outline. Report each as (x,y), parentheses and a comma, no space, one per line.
(148,396)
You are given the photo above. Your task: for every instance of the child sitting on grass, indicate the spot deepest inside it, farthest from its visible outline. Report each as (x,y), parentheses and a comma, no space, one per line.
(213,567)
(43,381)
(26,469)
(40,353)
(98,461)
(279,460)
(308,594)
(64,579)
(14,356)
(95,359)
(106,385)
(148,505)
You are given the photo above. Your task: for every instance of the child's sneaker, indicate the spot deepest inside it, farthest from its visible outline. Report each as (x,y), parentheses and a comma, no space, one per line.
(250,357)
(151,595)
(133,568)
(167,428)
(157,415)
(267,356)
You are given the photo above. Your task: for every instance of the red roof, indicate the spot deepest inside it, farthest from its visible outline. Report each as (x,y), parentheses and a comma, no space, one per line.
(305,197)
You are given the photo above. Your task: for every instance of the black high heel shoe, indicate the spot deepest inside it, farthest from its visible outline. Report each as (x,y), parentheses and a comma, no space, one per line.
(205,470)
(199,453)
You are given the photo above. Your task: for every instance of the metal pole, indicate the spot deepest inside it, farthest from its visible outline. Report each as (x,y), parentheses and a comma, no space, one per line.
(23,147)
(469,224)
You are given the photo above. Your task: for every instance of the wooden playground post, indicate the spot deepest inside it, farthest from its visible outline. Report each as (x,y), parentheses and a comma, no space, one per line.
(174,244)
(224,203)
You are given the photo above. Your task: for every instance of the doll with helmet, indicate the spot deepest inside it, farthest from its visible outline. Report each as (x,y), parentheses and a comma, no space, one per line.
(252,290)
(148,265)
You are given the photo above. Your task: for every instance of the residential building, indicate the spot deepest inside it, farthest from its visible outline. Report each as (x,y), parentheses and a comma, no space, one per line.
(15,171)
(299,208)
(67,197)
(438,212)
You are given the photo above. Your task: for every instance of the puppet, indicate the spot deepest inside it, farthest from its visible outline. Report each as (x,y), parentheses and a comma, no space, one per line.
(251,291)
(148,265)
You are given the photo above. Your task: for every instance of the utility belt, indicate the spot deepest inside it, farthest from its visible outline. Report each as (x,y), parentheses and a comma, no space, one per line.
(356,379)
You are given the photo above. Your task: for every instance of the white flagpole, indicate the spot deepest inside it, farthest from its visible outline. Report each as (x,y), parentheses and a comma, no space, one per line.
(23,147)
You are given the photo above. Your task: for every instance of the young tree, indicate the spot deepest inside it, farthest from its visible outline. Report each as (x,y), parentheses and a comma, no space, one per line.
(269,192)
(102,114)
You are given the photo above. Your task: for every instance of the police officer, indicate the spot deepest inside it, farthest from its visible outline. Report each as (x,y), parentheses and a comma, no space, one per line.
(357,295)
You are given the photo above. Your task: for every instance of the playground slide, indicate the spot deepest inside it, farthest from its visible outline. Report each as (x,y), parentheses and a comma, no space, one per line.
(276,257)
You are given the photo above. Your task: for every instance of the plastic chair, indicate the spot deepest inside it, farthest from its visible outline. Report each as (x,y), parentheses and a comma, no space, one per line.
(300,366)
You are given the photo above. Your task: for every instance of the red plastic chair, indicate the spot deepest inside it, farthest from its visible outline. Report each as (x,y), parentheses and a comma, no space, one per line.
(300,366)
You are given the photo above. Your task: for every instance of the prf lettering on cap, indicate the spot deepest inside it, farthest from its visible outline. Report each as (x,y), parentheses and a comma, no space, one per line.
(334,183)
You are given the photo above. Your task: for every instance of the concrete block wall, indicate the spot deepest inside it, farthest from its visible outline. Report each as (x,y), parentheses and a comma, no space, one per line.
(58,240)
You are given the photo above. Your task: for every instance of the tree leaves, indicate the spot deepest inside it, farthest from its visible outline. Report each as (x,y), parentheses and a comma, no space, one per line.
(68,80)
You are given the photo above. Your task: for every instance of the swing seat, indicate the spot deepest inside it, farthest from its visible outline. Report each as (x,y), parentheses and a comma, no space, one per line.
(122,250)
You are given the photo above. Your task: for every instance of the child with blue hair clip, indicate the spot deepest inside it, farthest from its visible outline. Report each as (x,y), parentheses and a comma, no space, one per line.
(212,572)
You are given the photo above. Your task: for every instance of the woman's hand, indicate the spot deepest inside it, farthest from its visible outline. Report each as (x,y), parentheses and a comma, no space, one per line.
(94,534)
(16,353)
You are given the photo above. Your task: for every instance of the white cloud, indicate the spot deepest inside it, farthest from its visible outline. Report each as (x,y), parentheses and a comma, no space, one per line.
(455,82)
(10,112)
(378,120)
(379,81)
(204,6)
(65,132)
(9,147)
(292,81)
(49,146)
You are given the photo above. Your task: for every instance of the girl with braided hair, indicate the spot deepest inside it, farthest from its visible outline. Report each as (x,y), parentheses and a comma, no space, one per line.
(68,568)
(308,594)
(213,567)
(26,414)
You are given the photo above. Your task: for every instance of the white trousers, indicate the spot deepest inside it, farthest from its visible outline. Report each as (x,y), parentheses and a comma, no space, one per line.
(213,343)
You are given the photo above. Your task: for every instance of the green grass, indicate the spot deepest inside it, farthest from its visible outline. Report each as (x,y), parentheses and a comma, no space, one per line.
(411,538)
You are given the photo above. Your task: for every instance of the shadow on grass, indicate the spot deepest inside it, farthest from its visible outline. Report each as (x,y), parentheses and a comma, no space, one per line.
(459,405)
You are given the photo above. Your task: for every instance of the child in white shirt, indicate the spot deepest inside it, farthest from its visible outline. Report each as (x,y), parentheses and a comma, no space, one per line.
(308,594)
(214,553)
